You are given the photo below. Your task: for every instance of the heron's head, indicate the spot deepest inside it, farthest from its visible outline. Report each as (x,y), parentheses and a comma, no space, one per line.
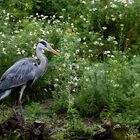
(44,45)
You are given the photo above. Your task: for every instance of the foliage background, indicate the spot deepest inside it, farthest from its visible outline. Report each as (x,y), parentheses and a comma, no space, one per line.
(97,73)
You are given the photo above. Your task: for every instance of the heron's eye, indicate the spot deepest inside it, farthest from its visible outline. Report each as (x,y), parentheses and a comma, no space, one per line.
(34,64)
(43,43)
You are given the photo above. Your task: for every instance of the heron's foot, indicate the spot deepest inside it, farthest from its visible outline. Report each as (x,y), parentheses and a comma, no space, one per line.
(20,118)
(20,113)
(20,102)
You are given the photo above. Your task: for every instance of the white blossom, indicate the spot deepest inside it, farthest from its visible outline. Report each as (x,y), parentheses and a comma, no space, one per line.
(104,28)
(4,50)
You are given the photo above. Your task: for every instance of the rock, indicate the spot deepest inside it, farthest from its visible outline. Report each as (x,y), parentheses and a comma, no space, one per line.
(17,126)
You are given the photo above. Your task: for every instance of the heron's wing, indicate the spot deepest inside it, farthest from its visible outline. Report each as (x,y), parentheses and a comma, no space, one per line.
(21,73)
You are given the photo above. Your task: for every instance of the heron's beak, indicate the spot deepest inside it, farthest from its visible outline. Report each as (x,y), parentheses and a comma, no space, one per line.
(54,51)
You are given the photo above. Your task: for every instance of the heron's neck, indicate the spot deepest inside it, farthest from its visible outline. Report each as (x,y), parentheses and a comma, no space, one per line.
(43,61)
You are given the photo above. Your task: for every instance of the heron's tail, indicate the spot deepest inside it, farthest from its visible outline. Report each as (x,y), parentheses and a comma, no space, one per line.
(5,93)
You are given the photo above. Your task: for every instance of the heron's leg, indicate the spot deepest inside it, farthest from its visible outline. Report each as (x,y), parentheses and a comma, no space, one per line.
(20,97)
(21,93)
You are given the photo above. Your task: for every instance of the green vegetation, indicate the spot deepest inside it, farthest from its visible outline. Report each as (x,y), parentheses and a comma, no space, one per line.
(97,74)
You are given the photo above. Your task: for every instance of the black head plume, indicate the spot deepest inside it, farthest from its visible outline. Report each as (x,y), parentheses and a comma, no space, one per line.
(43,42)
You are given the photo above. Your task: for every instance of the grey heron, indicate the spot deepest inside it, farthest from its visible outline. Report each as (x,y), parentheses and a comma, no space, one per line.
(25,71)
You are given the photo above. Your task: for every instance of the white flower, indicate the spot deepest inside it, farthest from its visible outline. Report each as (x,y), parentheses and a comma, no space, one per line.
(67,55)
(22,51)
(116,85)
(113,18)
(47,32)
(56,79)
(77,51)
(58,30)
(75,79)
(137,85)
(112,56)
(79,39)
(61,17)
(7,18)
(110,38)
(45,90)
(84,2)
(84,38)
(81,16)
(87,68)
(120,16)
(64,65)
(4,50)
(43,32)
(53,16)
(5,23)
(34,56)
(74,90)
(92,1)
(63,9)
(89,50)
(75,84)
(124,1)
(16,31)
(77,66)
(96,43)
(55,85)
(113,5)
(90,10)
(90,33)
(70,67)
(94,9)
(18,52)
(106,52)
(34,46)
(44,17)
(8,14)
(84,19)
(49,21)
(115,42)
(4,11)
(101,44)
(106,7)
(30,33)
(3,35)
(104,28)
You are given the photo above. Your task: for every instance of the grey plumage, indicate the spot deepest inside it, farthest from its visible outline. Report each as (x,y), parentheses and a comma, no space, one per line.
(25,71)
(19,74)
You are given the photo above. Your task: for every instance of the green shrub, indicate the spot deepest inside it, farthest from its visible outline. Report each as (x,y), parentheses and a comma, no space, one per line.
(101,79)
(74,127)
(19,9)
(111,87)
